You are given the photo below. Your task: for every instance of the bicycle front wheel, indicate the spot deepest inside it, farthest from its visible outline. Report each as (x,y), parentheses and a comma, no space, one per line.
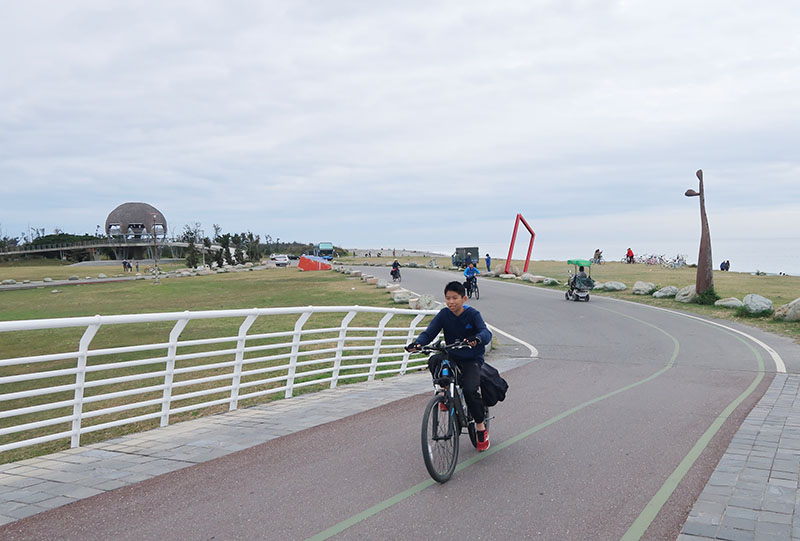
(439,439)
(476,291)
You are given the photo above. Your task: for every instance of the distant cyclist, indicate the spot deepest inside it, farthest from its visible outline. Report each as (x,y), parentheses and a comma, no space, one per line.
(469,273)
(396,269)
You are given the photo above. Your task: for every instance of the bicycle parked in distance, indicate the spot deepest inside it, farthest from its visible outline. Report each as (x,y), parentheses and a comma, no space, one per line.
(471,285)
(446,416)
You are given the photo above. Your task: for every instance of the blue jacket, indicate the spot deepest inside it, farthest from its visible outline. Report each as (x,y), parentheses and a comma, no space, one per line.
(468,325)
(471,272)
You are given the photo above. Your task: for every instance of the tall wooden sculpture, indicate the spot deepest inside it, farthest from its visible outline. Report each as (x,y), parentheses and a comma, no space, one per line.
(705,270)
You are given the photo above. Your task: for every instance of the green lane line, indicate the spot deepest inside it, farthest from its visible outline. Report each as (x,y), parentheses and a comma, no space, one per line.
(495,448)
(651,510)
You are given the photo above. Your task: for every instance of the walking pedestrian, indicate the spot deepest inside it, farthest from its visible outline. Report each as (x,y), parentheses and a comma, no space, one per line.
(488,263)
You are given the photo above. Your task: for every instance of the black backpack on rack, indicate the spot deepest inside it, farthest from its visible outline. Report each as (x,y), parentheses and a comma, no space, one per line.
(493,386)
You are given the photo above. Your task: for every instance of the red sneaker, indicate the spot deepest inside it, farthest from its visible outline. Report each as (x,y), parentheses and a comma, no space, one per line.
(483,440)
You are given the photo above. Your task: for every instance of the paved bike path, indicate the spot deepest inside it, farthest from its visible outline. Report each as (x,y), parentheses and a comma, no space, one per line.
(591,431)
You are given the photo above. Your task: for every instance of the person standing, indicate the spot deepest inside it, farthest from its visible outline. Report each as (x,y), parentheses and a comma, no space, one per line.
(468,259)
(629,256)
(488,263)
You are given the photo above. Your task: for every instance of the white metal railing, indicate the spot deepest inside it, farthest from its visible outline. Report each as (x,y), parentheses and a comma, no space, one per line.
(112,386)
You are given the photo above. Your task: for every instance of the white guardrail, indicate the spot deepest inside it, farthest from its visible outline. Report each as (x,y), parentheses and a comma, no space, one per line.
(68,393)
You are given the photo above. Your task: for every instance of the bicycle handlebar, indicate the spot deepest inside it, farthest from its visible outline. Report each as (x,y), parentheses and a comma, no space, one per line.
(441,347)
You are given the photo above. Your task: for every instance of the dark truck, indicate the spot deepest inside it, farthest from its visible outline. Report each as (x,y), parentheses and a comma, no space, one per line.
(460,256)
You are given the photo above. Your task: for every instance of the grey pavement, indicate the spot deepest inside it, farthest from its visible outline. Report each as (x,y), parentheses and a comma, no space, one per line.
(753,492)
(34,485)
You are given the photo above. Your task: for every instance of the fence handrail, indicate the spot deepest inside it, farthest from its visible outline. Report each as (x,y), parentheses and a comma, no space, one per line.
(156,317)
(286,358)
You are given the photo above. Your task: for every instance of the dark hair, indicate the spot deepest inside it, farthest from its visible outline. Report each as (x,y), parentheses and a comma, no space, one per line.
(580,268)
(455,287)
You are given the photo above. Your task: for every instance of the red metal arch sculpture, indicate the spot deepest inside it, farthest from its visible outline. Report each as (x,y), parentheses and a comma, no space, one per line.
(514,238)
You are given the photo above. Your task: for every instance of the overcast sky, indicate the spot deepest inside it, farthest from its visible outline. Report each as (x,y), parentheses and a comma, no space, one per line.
(405,123)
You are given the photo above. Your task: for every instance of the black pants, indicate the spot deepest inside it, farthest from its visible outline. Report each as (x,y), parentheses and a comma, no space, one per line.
(470,383)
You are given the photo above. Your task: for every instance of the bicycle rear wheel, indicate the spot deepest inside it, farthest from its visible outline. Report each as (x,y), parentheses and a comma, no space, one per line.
(439,440)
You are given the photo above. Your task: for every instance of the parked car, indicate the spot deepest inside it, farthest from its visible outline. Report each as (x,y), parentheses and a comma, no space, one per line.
(280,259)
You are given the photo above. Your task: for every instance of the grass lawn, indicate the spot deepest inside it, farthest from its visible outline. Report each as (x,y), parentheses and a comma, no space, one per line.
(39,269)
(262,288)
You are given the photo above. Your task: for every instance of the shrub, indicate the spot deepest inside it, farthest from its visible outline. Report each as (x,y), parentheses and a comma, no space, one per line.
(709,296)
(743,312)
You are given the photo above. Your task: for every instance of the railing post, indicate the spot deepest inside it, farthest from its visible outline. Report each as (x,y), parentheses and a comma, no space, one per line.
(337,361)
(298,326)
(80,380)
(411,332)
(171,352)
(376,352)
(237,367)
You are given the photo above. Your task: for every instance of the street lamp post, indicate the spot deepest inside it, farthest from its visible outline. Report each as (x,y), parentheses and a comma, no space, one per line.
(705,270)
(155,251)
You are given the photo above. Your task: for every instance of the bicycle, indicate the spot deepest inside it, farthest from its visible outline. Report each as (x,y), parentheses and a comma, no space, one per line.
(396,275)
(446,416)
(471,286)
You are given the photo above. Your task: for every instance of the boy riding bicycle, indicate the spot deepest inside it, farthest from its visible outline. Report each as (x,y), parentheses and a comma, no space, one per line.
(470,273)
(461,322)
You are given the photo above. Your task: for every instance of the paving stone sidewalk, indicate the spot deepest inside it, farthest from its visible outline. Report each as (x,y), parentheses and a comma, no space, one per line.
(31,486)
(752,493)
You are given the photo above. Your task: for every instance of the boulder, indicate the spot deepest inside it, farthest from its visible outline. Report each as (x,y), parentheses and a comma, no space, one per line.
(393,287)
(26,281)
(664,292)
(756,304)
(413,265)
(74,277)
(9,282)
(401,296)
(508,276)
(789,312)
(381,284)
(643,288)
(427,302)
(513,269)
(413,303)
(687,294)
(101,275)
(56,291)
(551,282)
(598,285)
(730,302)
(535,278)
(48,279)
(355,273)
(613,286)
(372,281)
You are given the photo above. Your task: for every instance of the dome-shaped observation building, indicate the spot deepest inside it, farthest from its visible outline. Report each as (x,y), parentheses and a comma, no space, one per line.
(135,221)
(137,227)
